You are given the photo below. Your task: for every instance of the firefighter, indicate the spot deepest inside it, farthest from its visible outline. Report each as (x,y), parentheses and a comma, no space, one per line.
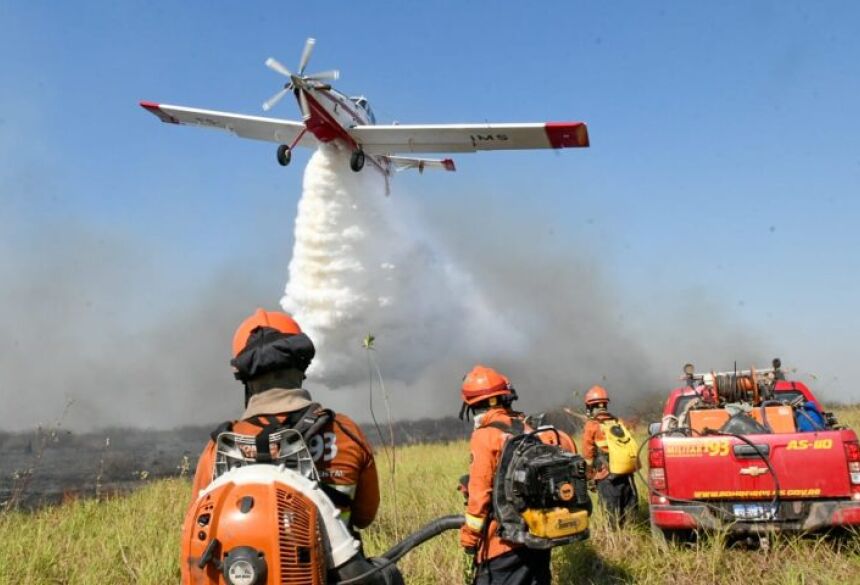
(616,492)
(487,396)
(270,356)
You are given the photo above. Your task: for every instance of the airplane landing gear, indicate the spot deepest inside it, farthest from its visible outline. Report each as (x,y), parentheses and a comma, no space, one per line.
(284,155)
(356,161)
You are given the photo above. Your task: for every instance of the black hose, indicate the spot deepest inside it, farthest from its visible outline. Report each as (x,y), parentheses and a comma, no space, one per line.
(423,534)
(396,552)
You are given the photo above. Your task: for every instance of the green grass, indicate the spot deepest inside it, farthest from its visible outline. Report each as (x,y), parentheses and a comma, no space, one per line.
(135,539)
(131,539)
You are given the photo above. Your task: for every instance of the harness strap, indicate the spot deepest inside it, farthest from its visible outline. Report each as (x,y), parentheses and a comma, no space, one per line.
(224,427)
(264,452)
(515,428)
(338,498)
(307,422)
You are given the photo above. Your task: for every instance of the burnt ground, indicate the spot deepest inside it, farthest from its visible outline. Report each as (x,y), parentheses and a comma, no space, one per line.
(48,466)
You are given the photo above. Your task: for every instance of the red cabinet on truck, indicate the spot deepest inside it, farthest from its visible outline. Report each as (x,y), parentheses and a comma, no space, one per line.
(771,479)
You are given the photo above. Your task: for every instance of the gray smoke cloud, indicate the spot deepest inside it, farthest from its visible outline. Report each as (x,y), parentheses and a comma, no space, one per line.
(558,322)
(84,324)
(83,318)
(444,288)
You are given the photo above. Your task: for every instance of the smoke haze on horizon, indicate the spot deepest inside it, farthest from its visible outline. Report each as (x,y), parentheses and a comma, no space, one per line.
(439,291)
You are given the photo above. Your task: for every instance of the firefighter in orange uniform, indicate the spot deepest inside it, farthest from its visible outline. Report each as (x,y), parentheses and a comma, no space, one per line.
(270,356)
(616,493)
(487,396)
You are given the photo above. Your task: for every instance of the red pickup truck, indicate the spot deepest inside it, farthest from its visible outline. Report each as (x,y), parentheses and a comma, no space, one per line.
(750,452)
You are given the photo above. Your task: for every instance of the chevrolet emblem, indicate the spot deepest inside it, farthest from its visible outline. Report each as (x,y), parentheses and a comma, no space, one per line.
(754,471)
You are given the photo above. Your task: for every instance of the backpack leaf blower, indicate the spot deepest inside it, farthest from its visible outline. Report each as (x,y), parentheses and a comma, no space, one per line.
(266,524)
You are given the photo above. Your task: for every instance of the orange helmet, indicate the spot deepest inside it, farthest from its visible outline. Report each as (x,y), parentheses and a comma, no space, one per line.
(596,395)
(482,383)
(274,319)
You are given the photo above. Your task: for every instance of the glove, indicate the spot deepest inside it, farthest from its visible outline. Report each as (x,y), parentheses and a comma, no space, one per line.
(468,538)
(463,487)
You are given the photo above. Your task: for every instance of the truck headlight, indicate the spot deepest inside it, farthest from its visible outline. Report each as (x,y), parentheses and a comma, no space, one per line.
(244,566)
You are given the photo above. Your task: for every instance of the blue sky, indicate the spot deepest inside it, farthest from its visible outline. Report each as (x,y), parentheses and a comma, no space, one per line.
(725,153)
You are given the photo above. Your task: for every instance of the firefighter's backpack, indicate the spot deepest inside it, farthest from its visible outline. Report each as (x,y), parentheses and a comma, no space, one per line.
(623,449)
(540,496)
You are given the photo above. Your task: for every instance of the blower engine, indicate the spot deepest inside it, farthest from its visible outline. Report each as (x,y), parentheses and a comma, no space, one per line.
(264,524)
(540,497)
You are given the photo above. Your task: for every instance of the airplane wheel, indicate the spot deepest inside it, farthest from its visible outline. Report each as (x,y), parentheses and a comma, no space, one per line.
(284,155)
(356,161)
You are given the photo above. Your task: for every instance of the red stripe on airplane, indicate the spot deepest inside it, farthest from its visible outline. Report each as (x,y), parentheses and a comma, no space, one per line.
(156,109)
(567,134)
(323,125)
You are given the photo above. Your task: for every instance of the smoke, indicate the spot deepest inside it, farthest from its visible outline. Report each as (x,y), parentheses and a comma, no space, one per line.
(440,300)
(89,318)
(95,316)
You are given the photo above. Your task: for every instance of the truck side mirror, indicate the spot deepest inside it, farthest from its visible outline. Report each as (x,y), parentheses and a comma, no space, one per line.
(654,428)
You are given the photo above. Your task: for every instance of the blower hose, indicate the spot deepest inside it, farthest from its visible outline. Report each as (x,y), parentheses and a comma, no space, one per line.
(417,538)
(423,534)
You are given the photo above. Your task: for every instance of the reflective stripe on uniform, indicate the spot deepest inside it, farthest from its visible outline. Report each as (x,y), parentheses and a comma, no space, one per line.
(601,443)
(475,523)
(347,489)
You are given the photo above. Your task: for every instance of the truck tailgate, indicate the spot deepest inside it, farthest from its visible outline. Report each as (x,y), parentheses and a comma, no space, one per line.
(807,465)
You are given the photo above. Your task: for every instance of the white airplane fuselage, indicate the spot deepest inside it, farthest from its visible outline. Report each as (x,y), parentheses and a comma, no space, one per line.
(331,114)
(331,117)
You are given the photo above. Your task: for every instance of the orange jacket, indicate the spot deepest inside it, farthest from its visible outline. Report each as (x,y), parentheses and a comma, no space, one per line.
(343,458)
(593,439)
(486,447)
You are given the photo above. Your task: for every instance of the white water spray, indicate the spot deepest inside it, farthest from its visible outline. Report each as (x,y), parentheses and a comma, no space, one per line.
(357,270)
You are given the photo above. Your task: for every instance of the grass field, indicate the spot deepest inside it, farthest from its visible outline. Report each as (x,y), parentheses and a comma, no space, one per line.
(135,539)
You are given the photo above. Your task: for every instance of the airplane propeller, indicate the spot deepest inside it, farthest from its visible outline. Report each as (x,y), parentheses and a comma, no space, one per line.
(298,80)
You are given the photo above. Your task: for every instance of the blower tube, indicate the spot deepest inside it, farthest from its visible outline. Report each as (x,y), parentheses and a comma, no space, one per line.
(423,534)
(382,570)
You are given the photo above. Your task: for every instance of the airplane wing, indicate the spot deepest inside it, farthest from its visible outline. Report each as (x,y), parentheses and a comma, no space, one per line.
(469,137)
(254,127)
(402,163)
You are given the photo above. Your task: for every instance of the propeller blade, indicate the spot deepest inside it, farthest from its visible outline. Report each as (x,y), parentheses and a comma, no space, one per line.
(303,104)
(306,55)
(270,103)
(333,75)
(274,65)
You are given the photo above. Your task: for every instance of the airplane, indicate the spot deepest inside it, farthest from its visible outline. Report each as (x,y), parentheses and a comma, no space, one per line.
(329,116)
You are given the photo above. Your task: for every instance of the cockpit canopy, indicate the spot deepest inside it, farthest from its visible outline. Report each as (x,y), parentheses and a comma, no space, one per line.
(362,103)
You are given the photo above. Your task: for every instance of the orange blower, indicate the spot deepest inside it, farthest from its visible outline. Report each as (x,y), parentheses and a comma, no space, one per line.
(266,524)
